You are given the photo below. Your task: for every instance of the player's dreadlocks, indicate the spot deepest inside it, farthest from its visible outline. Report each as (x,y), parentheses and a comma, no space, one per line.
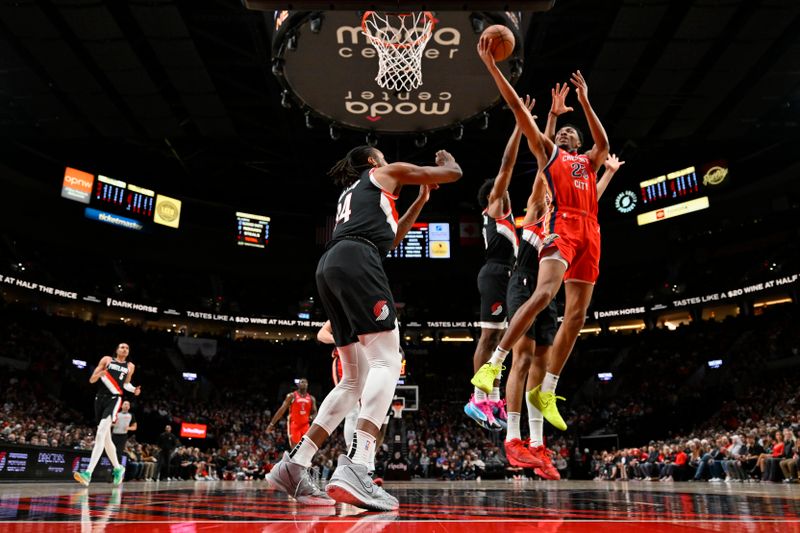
(346,171)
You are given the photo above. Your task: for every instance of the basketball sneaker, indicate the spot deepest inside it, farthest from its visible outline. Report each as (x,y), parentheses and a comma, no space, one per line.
(350,483)
(119,475)
(546,403)
(545,457)
(485,377)
(483,414)
(293,479)
(84,478)
(519,455)
(499,412)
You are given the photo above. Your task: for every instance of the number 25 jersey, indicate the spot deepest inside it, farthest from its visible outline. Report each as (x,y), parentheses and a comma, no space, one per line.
(572,182)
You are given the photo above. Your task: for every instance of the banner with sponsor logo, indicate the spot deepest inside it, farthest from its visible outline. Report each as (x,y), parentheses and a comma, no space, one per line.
(193,431)
(77,185)
(36,463)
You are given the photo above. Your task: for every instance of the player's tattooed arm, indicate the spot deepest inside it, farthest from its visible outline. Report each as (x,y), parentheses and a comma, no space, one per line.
(599,152)
(611,166)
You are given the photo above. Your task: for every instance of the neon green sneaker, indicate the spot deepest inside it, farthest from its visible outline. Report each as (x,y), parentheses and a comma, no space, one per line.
(119,474)
(485,376)
(546,403)
(84,478)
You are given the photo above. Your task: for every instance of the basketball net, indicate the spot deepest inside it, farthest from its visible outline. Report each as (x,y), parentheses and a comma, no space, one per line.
(399,39)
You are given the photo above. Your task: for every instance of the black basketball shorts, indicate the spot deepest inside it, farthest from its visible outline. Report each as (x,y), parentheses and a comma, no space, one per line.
(106,405)
(492,285)
(520,288)
(354,291)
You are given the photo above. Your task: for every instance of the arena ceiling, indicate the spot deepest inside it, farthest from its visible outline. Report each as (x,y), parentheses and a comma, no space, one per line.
(181,91)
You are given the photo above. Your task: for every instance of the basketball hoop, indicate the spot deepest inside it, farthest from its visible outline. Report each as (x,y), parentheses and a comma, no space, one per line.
(399,39)
(398,404)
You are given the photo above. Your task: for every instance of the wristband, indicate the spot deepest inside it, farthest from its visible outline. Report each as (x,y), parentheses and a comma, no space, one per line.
(128,387)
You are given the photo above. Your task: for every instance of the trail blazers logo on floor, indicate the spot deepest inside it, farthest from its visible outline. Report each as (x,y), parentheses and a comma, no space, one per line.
(381,310)
(497,308)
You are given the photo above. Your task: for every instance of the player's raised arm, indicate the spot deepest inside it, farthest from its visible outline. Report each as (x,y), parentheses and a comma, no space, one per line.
(394,175)
(558,106)
(611,166)
(599,152)
(536,201)
(541,147)
(503,179)
(410,216)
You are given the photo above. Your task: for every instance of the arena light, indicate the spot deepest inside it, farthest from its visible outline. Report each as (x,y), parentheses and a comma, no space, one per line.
(605,376)
(427,338)
(78,363)
(593,329)
(626,327)
(189,376)
(768,303)
(456,339)
(715,363)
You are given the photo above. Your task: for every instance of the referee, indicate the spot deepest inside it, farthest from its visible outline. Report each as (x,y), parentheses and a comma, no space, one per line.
(119,433)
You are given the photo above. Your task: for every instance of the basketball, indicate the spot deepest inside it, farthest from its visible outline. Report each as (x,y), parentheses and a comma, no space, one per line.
(502,41)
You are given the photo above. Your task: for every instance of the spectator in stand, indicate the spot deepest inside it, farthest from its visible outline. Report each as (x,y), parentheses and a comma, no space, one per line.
(772,470)
(771,461)
(732,466)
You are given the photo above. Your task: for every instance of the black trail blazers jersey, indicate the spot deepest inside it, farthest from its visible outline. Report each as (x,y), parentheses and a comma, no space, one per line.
(500,239)
(367,211)
(113,378)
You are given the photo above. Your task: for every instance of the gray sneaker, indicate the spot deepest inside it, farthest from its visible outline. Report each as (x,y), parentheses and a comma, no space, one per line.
(293,479)
(351,484)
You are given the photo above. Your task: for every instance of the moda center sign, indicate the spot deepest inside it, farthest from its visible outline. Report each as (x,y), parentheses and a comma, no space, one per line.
(327,64)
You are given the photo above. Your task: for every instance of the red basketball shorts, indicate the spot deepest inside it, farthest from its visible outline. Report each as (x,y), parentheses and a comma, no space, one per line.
(296,432)
(578,244)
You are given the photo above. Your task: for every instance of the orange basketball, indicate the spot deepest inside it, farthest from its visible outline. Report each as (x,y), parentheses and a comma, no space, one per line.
(502,41)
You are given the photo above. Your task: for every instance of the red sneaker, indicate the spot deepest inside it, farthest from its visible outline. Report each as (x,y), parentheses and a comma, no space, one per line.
(519,455)
(547,470)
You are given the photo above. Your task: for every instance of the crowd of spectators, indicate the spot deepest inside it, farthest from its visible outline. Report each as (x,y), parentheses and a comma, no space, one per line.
(731,434)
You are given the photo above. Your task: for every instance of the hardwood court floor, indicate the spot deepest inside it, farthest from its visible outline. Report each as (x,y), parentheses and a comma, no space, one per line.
(436,506)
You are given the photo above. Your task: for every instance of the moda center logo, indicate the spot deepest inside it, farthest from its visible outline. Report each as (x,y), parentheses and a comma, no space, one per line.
(329,66)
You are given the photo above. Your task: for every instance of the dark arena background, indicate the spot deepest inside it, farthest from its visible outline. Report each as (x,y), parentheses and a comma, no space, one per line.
(163,167)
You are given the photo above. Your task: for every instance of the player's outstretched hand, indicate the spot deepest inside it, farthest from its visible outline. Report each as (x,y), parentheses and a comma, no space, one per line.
(580,86)
(137,391)
(528,102)
(613,163)
(485,51)
(443,158)
(558,103)
(425,191)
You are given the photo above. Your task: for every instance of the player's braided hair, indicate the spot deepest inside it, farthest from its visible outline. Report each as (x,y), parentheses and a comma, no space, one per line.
(484,192)
(347,170)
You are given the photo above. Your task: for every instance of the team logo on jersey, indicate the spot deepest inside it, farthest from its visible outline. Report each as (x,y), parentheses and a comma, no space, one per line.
(497,308)
(380,310)
(548,240)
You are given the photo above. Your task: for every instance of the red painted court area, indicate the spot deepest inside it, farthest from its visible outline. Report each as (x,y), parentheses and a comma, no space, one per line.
(487,507)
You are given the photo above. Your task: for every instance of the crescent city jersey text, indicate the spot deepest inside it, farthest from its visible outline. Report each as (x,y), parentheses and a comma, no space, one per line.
(300,409)
(113,378)
(572,182)
(366,210)
(500,238)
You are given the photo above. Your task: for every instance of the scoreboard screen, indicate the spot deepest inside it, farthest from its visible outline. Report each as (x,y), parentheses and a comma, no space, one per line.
(252,230)
(127,197)
(677,185)
(425,240)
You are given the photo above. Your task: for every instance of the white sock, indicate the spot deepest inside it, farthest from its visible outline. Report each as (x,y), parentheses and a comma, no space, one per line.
(498,356)
(495,394)
(303,453)
(550,382)
(363,451)
(480,396)
(513,427)
(535,424)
